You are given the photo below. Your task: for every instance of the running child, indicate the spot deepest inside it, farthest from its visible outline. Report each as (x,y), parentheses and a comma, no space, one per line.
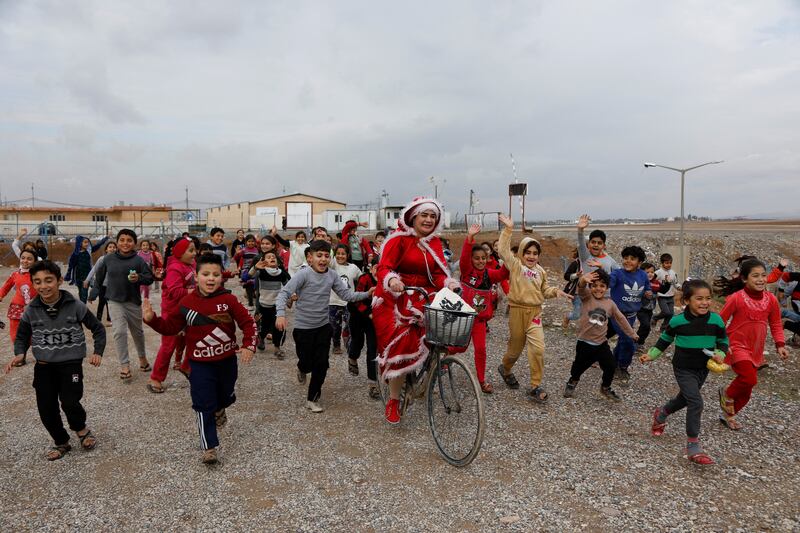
(123,272)
(270,277)
(696,332)
(178,282)
(645,314)
(360,250)
(748,310)
(528,290)
(147,256)
(158,266)
(209,316)
(80,264)
(20,281)
(297,249)
(592,347)
(91,281)
(593,253)
(337,308)
(666,299)
(629,285)
(362,329)
(244,259)
(217,236)
(312,328)
(58,372)
(572,276)
(477,280)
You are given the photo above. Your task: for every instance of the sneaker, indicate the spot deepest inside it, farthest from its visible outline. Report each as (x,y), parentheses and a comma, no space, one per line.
(393,411)
(210,457)
(301,377)
(569,389)
(374,393)
(609,393)
(279,353)
(314,407)
(261,345)
(624,377)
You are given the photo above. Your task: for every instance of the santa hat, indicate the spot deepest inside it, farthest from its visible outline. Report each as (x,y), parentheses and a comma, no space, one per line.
(180,247)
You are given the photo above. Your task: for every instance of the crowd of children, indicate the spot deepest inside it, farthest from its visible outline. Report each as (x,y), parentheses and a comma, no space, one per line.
(330,288)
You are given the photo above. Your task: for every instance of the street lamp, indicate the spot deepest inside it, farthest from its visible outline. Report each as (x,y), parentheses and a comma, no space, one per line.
(683,172)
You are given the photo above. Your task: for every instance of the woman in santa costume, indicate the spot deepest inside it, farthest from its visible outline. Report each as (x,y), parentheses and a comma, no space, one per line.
(411,256)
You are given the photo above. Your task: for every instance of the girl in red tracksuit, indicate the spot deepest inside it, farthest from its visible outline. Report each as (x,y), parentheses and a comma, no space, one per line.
(750,308)
(178,282)
(476,282)
(21,281)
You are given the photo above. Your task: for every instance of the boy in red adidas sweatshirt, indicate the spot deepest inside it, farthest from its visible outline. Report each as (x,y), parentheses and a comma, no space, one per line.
(209,317)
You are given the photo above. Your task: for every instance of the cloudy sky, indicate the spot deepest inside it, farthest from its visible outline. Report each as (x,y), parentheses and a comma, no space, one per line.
(103,101)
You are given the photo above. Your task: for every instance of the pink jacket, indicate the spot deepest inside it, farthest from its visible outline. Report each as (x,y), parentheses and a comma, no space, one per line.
(178,280)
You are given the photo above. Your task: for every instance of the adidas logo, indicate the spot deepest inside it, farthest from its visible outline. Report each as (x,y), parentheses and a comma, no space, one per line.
(215,343)
(634,292)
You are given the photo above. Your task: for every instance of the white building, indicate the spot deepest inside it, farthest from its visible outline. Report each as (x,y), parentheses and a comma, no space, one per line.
(335,218)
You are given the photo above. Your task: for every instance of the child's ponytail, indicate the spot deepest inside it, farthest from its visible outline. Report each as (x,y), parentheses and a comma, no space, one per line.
(725,287)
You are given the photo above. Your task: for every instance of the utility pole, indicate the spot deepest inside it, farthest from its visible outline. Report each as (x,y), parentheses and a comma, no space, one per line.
(187,198)
(33,197)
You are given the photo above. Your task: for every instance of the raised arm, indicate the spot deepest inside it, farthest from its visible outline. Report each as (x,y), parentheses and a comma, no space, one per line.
(504,244)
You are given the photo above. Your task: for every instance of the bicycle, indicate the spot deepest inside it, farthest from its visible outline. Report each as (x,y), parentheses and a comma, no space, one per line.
(454,401)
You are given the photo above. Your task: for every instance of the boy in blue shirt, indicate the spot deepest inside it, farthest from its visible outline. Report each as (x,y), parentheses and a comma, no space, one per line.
(628,286)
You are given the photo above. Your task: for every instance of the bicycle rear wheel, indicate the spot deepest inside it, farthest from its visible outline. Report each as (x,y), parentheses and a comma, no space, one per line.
(455,412)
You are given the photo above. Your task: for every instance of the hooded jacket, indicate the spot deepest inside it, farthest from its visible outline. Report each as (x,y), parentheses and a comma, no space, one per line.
(528,286)
(59,339)
(75,273)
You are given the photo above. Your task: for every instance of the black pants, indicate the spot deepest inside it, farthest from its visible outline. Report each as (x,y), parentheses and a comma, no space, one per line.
(267,325)
(313,346)
(644,316)
(587,354)
(63,382)
(361,329)
(794,327)
(690,381)
(250,290)
(666,304)
(102,303)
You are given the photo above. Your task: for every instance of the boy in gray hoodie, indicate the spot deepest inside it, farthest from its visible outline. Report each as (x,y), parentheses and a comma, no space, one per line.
(52,326)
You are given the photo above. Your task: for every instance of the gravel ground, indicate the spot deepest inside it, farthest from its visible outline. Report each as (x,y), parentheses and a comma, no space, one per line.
(579,464)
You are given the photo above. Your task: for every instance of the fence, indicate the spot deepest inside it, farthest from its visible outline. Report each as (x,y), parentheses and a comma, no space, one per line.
(488,221)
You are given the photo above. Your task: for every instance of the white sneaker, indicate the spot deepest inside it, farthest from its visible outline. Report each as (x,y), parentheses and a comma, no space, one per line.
(314,407)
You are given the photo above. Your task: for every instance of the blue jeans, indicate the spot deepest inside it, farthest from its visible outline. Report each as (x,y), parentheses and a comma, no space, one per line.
(623,353)
(576,309)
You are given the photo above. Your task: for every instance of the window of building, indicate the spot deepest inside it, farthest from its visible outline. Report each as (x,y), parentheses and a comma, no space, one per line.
(57,217)
(99,218)
(396,215)
(337,218)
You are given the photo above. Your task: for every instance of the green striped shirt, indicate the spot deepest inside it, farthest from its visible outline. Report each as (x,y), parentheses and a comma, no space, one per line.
(691,334)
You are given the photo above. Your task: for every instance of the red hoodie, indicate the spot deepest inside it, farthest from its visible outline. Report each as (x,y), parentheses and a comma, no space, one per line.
(210,325)
(177,283)
(477,284)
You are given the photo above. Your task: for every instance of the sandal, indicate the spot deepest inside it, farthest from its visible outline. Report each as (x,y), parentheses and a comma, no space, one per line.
(57,452)
(374,393)
(725,403)
(487,388)
(510,378)
(21,363)
(221,418)
(145,367)
(701,459)
(210,457)
(176,366)
(538,395)
(155,390)
(730,422)
(88,441)
(125,375)
(352,366)
(657,429)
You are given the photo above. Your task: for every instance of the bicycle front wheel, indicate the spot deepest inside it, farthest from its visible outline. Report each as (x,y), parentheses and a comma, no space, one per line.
(455,412)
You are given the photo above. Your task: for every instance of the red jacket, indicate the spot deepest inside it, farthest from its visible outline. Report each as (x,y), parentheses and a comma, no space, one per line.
(210,324)
(751,313)
(22,296)
(177,282)
(365,283)
(477,284)
(779,273)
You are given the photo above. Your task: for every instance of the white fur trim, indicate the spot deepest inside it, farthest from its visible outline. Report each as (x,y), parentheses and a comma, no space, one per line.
(401,222)
(439,260)
(423,353)
(377,301)
(389,277)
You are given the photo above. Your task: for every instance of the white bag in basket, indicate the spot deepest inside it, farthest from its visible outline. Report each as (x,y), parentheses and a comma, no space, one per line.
(447,300)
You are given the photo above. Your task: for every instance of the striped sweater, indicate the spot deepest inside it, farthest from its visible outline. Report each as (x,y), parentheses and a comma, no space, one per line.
(691,334)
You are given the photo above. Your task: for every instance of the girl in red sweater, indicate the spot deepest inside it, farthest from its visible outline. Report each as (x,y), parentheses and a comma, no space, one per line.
(477,279)
(21,281)
(750,308)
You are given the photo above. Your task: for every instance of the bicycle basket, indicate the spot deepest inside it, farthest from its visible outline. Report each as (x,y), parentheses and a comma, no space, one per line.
(448,328)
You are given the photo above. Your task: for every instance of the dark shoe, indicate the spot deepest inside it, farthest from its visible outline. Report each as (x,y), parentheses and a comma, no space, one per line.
(374,393)
(569,389)
(301,377)
(352,366)
(261,345)
(609,393)
(538,395)
(624,377)
(510,378)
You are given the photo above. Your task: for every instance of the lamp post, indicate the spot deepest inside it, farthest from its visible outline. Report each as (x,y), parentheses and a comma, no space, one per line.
(683,172)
